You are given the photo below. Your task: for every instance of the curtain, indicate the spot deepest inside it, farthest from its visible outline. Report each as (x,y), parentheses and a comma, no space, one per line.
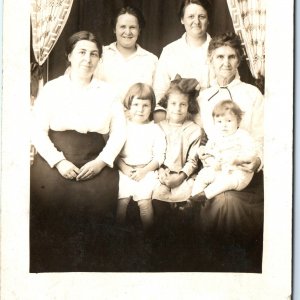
(249,21)
(48,18)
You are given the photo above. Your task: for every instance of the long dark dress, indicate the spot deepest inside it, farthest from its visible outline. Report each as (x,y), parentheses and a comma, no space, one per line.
(71,223)
(231,230)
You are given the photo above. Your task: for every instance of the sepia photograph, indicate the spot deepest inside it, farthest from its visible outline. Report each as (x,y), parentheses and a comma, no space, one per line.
(146,149)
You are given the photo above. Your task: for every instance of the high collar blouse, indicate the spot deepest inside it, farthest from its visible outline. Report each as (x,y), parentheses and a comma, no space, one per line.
(122,71)
(63,105)
(180,58)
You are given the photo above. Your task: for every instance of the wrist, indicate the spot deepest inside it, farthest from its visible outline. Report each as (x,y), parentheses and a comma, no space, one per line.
(58,163)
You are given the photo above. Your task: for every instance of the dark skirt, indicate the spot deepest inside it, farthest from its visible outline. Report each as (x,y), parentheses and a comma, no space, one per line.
(235,212)
(71,223)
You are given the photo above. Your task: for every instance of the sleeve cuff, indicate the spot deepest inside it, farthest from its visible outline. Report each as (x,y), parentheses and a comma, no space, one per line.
(52,161)
(106,159)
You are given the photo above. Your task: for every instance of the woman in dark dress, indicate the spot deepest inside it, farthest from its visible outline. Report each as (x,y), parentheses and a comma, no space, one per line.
(234,217)
(78,130)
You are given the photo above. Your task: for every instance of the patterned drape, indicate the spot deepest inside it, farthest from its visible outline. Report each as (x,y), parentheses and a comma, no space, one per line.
(249,21)
(48,18)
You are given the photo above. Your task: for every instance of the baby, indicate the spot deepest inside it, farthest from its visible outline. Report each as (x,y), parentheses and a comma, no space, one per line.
(223,154)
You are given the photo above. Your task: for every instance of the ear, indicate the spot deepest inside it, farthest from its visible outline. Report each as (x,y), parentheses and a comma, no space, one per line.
(181,20)
(69,57)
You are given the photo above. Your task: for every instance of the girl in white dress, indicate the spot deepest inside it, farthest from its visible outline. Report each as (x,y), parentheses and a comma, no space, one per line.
(142,154)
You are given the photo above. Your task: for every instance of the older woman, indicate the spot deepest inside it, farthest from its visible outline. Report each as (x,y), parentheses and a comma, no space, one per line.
(124,62)
(78,130)
(234,212)
(186,56)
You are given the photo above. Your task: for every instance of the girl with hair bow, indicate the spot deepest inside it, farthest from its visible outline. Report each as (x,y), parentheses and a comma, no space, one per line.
(183,139)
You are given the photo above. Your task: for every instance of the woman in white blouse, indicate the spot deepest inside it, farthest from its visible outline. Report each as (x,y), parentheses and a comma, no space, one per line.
(124,62)
(78,130)
(186,56)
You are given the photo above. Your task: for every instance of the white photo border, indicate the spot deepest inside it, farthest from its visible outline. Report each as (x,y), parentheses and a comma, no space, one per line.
(275,280)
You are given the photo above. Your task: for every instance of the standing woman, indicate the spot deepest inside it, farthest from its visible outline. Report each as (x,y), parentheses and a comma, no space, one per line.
(186,56)
(124,62)
(78,130)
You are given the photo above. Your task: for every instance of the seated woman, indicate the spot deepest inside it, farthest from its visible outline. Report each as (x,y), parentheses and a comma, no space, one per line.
(234,212)
(124,62)
(78,130)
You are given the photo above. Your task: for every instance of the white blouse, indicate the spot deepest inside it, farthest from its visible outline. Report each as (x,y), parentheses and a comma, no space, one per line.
(63,105)
(180,58)
(122,72)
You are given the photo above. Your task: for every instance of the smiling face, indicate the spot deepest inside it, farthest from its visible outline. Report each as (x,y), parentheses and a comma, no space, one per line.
(225,62)
(226,124)
(195,20)
(127,31)
(177,108)
(84,58)
(140,110)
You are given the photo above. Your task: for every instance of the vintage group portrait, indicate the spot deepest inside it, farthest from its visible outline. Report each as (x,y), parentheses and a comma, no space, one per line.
(147,142)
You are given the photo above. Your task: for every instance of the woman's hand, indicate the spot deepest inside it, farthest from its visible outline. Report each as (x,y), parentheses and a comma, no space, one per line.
(174,180)
(250,165)
(90,169)
(67,169)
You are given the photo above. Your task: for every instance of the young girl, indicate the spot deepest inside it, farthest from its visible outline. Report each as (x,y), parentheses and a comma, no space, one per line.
(223,154)
(142,154)
(183,139)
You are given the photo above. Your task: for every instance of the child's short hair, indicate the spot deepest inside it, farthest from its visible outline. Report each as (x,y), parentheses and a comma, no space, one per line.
(141,91)
(185,86)
(226,106)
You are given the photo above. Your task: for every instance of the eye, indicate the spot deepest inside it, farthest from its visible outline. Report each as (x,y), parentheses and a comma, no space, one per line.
(220,56)
(202,17)
(94,54)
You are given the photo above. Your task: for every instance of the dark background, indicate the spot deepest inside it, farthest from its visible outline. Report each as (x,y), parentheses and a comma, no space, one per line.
(162,27)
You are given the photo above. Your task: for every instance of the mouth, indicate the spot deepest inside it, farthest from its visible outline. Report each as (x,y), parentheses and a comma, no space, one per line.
(86,67)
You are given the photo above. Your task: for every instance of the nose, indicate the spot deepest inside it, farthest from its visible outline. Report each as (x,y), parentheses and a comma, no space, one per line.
(127,30)
(178,108)
(226,61)
(87,57)
(197,20)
